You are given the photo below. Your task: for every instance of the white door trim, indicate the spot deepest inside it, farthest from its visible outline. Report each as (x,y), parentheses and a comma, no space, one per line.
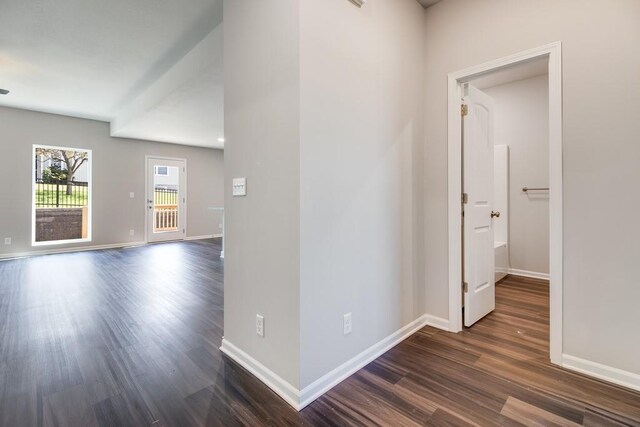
(553,52)
(146,189)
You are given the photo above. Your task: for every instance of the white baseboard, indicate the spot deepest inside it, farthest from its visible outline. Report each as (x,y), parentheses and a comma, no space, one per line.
(603,372)
(342,372)
(531,274)
(436,322)
(90,248)
(284,389)
(69,250)
(208,236)
(299,399)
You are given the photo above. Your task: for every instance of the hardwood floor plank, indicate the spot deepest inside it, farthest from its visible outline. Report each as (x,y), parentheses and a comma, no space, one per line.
(385,395)
(442,418)
(106,414)
(356,404)
(532,415)
(594,418)
(546,378)
(69,407)
(477,409)
(386,371)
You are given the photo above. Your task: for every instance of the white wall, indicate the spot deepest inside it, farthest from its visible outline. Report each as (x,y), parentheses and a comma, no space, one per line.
(118,168)
(347,202)
(522,123)
(361,126)
(501,192)
(262,230)
(601,85)
(325,121)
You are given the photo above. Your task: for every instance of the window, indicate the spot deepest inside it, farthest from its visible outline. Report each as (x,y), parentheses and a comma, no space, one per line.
(61,195)
(162,171)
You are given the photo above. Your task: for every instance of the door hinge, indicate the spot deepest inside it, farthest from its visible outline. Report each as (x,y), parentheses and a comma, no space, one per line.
(465,287)
(464,110)
(465,198)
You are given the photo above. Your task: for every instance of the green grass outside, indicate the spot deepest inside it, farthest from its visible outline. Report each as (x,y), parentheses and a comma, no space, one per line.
(46,196)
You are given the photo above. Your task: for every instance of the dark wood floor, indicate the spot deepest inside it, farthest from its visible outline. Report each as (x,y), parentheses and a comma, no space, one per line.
(131,337)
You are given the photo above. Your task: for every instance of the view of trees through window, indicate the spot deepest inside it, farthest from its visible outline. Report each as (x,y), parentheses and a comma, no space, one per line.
(61,194)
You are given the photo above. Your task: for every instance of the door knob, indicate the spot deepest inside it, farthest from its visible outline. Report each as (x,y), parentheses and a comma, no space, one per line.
(495,214)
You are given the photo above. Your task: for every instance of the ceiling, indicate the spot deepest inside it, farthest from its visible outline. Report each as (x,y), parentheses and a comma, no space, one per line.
(153,68)
(512,74)
(427,3)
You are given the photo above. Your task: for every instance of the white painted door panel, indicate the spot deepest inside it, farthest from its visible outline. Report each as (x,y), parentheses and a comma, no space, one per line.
(478,243)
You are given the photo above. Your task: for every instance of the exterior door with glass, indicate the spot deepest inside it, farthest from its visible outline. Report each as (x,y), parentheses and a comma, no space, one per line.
(166,199)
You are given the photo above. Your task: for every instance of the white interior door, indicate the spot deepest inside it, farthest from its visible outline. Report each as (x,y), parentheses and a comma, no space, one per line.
(478,234)
(166,199)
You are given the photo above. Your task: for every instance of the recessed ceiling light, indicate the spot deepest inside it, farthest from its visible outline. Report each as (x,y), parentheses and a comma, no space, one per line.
(3,91)
(221,139)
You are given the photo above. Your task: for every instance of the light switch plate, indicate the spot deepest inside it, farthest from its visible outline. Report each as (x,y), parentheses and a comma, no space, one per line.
(7,240)
(239,187)
(260,325)
(132,195)
(346,324)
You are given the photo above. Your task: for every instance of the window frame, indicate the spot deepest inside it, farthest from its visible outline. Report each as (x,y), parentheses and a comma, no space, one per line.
(89,164)
(157,169)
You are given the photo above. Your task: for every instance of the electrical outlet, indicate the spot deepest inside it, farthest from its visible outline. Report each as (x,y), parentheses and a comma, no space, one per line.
(7,240)
(132,232)
(220,226)
(346,324)
(132,195)
(260,325)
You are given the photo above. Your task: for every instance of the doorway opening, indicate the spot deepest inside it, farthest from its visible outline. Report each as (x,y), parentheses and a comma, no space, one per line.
(481,189)
(166,199)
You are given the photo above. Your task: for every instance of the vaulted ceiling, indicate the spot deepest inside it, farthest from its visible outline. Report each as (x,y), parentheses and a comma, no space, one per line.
(153,68)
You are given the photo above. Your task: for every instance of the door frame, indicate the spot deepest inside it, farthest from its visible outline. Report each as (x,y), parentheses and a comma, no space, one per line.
(553,52)
(146,189)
